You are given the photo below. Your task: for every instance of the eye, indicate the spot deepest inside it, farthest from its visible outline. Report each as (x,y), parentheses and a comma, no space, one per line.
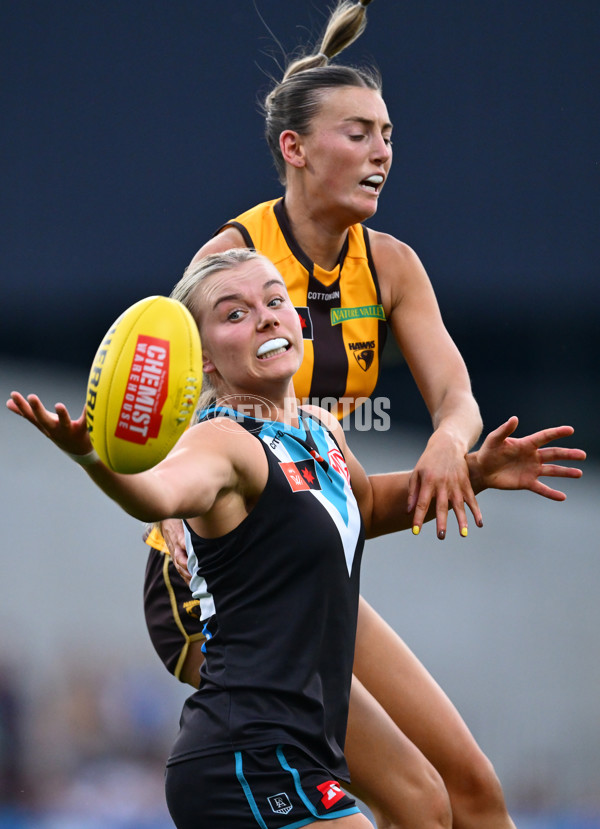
(234,315)
(388,142)
(357,137)
(276,301)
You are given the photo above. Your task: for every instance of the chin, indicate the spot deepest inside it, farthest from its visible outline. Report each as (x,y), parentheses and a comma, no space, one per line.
(373,205)
(366,209)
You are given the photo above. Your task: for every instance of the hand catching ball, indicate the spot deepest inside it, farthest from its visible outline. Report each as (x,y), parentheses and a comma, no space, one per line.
(144,384)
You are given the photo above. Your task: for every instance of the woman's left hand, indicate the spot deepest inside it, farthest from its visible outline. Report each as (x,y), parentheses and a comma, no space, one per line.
(505,462)
(441,475)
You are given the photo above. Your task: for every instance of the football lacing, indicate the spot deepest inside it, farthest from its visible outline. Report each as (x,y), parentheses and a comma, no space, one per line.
(188,402)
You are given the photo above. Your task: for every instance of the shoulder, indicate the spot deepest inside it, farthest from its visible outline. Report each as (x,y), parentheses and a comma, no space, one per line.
(229,238)
(387,249)
(222,437)
(399,269)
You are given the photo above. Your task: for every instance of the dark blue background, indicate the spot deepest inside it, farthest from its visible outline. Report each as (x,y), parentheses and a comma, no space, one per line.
(130,131)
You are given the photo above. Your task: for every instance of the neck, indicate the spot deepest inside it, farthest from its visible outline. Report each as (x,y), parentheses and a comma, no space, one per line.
(264,405)
(319,235)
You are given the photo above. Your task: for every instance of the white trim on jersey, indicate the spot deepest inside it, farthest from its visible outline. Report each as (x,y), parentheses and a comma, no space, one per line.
(198,584)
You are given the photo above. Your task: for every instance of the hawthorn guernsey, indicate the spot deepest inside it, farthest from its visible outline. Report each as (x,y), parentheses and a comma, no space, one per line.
(144,384)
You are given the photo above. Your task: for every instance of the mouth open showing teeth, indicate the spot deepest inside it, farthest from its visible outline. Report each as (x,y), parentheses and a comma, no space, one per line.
(272,347)
(373,182)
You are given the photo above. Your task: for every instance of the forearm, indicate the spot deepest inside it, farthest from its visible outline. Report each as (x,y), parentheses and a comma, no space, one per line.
(458,417)
(388,505)
(141,495)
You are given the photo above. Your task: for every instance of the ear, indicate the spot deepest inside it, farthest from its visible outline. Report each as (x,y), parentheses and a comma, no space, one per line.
(208,367)
(292,148)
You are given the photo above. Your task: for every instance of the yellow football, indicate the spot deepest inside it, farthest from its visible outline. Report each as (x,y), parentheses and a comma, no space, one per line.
(144,384)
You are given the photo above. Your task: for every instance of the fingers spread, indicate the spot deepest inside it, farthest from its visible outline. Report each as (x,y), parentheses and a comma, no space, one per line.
(553,433)
(546,492)
(561,453)
(549,470)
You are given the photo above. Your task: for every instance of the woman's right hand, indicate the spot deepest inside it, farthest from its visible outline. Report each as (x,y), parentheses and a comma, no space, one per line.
(172,532)
(69,435)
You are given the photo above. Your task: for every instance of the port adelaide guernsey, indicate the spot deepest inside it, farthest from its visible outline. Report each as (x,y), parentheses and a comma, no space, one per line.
(279,599)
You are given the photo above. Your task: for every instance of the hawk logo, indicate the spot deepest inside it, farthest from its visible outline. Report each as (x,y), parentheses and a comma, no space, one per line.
(365,358)
(280,803)
(301,475)
(192,608)
(331,792)
(305,322)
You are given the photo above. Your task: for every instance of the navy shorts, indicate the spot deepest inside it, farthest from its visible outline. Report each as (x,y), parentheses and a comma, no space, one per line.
(272,788)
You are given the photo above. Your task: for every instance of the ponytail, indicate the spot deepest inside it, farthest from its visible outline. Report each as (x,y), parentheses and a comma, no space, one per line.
(294,102)
(346,24)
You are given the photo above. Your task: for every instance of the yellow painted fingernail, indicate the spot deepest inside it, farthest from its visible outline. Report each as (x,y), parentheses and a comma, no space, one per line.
(416,530)
(464,532)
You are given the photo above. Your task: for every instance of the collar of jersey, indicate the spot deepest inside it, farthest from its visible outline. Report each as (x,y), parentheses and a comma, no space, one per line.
(227,411)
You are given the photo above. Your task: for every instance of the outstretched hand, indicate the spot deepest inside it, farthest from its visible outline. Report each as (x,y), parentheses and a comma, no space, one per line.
(69,435)
(504,462)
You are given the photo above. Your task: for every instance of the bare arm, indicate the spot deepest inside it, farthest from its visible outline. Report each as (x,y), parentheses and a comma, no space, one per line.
(442,378)
(502,462)
(186,484)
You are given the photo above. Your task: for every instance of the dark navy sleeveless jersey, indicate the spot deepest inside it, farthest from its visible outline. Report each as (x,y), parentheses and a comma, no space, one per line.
(280,596)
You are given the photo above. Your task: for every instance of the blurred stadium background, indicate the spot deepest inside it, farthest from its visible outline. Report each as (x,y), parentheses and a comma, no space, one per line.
(130,131)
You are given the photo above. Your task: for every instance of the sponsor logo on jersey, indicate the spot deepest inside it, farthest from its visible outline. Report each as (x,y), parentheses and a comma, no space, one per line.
(337,462)
(322,296)
(280,803)
(301,475)
(331,792)
(305,322)
(361,312)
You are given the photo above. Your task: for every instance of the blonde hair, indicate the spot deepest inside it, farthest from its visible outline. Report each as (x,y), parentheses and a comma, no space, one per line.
(185,291)
(296,99)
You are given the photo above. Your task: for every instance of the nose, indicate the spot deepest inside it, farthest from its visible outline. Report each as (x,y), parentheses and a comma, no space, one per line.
(268,318)
(382,150)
